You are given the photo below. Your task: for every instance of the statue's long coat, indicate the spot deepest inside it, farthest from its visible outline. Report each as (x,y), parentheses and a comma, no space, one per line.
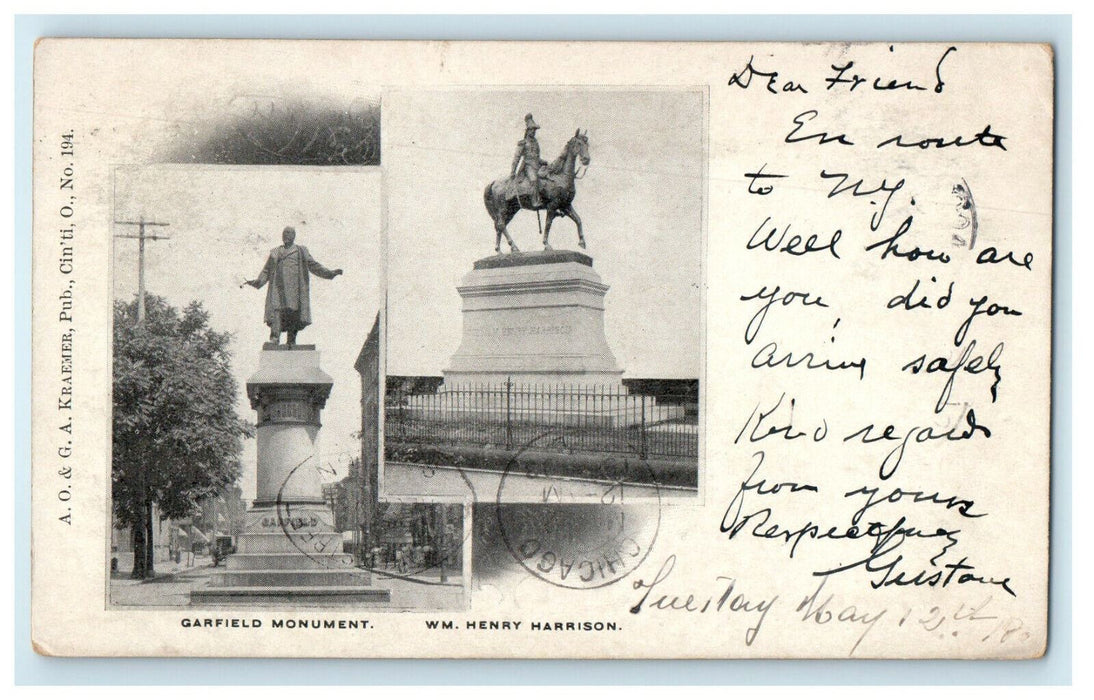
(289,283)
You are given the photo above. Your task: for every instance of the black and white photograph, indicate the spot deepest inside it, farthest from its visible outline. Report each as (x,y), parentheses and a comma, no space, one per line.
(543,350)
(246,375)
(544,252)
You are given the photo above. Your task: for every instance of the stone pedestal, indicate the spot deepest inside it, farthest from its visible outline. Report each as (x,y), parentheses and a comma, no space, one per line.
(533,350)
(289,550)
(533,318)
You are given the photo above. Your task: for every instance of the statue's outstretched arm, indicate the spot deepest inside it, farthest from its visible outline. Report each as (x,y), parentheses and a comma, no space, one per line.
(263,276)
(316,269)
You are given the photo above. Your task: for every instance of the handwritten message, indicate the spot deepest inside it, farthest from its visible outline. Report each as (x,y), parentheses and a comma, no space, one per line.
(933,277)
(887,315)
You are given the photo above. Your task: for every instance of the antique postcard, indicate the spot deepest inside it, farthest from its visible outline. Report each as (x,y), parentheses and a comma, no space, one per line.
(541,350)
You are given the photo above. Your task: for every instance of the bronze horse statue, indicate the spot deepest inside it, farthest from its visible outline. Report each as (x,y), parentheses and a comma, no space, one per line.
(508,195)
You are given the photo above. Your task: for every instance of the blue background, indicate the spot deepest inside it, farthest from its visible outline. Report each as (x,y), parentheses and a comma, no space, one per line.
(1054,668)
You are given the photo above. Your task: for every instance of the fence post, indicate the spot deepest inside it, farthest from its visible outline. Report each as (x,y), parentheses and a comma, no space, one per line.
(400,397)
(643,441)
(508,414)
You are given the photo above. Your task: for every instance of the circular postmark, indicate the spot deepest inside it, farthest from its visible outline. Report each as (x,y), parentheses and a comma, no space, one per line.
(967,221)
(430,556)
(305,529)
(581,543)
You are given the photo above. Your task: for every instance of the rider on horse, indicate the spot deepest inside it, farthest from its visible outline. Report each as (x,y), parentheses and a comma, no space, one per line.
(552,187)
(528,151)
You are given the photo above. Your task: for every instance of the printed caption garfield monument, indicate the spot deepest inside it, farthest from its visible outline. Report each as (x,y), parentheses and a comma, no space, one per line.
(289,549)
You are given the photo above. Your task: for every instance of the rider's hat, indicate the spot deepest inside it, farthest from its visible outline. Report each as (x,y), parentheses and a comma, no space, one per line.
(530,123)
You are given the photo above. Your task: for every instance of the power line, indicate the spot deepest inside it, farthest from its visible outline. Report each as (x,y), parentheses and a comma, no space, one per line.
(142,237)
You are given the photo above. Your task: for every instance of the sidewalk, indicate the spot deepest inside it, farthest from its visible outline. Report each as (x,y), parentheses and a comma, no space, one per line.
(483,486)
(431,576)
(163,569)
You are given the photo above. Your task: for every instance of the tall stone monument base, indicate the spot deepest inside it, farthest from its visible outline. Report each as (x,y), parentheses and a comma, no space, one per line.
(289,551)
(533,318)
(533,344)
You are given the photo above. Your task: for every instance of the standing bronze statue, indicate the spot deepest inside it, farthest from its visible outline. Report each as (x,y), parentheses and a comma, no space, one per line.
(538,187)
(288,307)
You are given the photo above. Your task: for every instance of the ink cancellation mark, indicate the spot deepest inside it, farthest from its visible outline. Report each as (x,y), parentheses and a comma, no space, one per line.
(580,545)
(967,221)
(305,530)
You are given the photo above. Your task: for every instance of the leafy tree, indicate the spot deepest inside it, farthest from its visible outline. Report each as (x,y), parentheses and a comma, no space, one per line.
(270,131)
(177,438)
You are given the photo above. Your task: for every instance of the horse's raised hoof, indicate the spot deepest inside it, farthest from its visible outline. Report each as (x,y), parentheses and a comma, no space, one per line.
(581,243)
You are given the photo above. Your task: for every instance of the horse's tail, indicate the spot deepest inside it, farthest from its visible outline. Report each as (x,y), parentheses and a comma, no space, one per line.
(486,199)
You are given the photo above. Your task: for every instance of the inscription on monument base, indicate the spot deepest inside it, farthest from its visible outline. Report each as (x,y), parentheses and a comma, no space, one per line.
(291,410)
(520,331)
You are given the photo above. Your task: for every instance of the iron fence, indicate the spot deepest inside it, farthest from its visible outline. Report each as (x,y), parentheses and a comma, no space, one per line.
(569,419)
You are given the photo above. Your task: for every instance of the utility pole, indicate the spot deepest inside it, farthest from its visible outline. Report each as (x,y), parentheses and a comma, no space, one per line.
(141,237)
(146,569)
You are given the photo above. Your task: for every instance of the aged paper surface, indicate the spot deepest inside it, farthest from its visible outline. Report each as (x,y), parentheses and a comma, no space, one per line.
(778,385)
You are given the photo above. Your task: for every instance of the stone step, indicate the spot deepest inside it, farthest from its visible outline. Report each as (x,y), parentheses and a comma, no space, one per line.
(296,561)
(290,594)
(289,577)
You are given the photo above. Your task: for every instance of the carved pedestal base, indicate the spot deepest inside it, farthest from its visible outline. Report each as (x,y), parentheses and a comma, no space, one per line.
(289,550)
(533,318)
